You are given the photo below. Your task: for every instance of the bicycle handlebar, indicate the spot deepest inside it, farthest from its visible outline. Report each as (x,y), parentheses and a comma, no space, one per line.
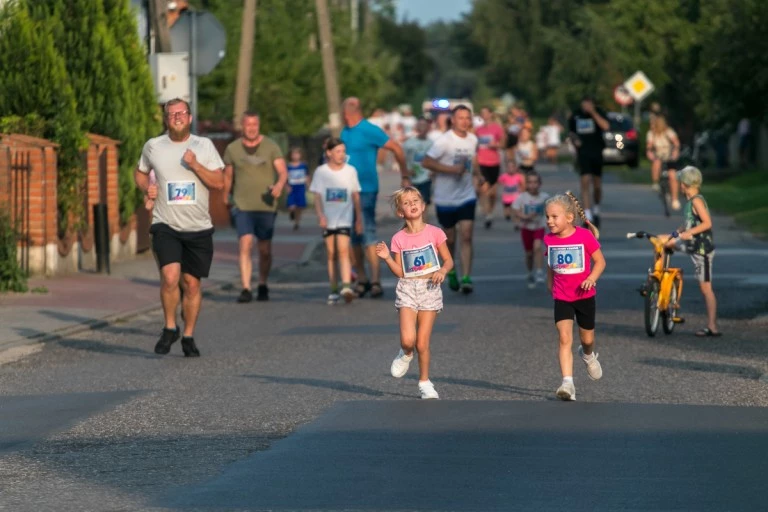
(645,234)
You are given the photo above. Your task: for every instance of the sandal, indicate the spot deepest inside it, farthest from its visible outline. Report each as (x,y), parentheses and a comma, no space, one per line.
(707,332)
(362,288)
(376,290)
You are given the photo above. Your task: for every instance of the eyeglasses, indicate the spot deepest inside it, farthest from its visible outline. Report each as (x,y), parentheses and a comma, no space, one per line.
(177,114)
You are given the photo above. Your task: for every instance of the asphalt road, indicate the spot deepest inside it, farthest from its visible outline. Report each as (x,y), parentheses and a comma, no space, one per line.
(99,422)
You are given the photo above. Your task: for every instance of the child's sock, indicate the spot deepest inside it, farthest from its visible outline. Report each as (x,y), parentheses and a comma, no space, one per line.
(346,285)
(567,380)
(596,209)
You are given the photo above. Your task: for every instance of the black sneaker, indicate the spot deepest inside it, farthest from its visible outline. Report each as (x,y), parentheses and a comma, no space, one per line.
(245,296)
(167,339)
(262,293)
(488,223)
(189,347)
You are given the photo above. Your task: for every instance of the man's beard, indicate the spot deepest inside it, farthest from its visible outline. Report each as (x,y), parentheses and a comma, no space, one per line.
(179,134)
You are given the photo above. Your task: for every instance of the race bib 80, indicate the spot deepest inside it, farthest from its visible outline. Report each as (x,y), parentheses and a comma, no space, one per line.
(181,192)
(566,259)
(420,261)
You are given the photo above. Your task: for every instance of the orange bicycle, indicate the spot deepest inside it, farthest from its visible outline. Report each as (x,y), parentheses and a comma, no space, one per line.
(663,289)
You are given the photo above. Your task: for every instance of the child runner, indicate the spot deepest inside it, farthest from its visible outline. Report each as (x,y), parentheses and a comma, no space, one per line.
(337,203)
(419,297)
(529,210)
(297,180)
(697,232)
(512,183)
(569,250)
(526,152)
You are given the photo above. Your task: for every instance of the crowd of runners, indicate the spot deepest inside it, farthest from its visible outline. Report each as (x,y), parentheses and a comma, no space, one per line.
(455,160)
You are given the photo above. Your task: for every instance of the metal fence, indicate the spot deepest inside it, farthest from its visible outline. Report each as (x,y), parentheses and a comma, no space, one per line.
(20,171)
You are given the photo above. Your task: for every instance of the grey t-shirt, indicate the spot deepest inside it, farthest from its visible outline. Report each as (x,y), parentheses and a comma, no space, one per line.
(182,198)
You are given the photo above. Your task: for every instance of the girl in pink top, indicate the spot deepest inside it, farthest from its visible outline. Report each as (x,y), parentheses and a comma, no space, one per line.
(418,249)
(570,251)
(490,140)
(512,184)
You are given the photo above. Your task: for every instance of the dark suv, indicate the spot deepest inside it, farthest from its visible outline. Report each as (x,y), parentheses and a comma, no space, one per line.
(621,145)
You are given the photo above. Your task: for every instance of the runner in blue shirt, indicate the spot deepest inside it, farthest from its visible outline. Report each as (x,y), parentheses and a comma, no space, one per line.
(363,140)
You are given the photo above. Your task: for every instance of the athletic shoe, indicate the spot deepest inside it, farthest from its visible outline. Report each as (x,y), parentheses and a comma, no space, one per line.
(656,187)
(453,281)
(466,285)
(262,293)
(540,276)
(189,347)
(400,364)
(427,390)
(333,299)
(488,223)
(531,281)
(348,294)
(594,370)
(245,296)
(675,204)
(167,338)
(566,391)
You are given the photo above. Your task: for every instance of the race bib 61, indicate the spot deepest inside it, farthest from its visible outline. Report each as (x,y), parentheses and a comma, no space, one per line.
(420,261)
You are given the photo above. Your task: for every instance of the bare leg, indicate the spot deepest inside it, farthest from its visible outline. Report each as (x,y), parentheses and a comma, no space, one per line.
(655,171)
(359,263)
(597,188)
(529,261)
(538,255)
(373,263)
(426,320)
(674,186)
(450,235)
(246,264)
(169,292)
(265,260)
(711,302)
(407,330)
(330,249)
(587,340)
(465,228)
(586,197)
(342,248)
(565,330)
(191,303)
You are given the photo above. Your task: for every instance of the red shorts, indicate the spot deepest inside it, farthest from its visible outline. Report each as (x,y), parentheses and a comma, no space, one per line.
(529,236)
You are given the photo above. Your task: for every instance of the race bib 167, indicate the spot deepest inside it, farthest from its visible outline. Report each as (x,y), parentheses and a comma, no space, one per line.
(566,259)
(420,261)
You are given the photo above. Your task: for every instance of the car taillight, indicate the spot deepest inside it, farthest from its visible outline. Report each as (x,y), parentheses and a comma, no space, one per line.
(631,134)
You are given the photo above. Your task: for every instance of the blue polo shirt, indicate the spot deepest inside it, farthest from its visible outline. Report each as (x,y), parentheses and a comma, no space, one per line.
(363,142)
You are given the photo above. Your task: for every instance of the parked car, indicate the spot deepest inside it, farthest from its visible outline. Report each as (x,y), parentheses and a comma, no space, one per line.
(621,145)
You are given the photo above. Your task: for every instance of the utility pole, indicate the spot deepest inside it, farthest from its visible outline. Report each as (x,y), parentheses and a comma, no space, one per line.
(354,15)
(245,61)
(329,67)
(159,15)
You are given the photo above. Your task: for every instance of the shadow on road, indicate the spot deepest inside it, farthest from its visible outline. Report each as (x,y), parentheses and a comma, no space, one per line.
(336,385)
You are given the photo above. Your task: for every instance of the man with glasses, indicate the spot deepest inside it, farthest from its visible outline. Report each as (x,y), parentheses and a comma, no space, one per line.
(186,167)
(255,174)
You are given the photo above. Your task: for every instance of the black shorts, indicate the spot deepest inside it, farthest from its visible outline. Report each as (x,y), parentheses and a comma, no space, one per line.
(591,164)
(337,231)
(583,310)
(511,140)
(193,250)
(525,169)
(449,216)
(490,173)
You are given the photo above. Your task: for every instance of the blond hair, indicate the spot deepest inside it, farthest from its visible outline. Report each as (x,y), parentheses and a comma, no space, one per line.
(397,196)
(690,176)
(659,124)
(571,205)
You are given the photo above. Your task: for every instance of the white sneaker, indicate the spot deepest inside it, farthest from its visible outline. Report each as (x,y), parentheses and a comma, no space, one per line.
(675,204)
(333,298)
(594,370)
(588,215)
(531,281)
(595,210)
(427,390)
(400,364)
(656,187)
(540,277)
(348,294)
(566,392)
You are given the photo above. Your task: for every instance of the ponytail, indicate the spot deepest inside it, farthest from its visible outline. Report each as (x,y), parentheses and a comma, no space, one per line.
(582,215)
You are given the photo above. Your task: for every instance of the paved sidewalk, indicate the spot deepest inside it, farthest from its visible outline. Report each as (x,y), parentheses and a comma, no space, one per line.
(88,300)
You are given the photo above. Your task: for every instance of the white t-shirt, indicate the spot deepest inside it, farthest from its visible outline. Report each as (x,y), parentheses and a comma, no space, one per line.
(415,149)
(182,198)
(433,135)
(523,151)
(527,204)
(553,134)
(450,149)
(409,125)
(335,189)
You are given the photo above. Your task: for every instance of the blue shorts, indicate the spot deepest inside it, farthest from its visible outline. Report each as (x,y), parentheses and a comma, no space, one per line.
(426,190)
(297,197)
(449,216)
(368,205)
(259,224)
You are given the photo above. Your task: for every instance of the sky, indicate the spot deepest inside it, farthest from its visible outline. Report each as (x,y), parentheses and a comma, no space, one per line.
(427,11)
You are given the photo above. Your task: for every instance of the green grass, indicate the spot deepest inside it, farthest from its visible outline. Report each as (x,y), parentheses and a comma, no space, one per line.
(744,196)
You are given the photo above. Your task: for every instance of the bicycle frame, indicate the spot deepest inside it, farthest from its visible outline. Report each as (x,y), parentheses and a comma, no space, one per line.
(666,275)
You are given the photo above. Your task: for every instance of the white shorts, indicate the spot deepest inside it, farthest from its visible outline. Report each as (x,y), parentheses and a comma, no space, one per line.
(418,295)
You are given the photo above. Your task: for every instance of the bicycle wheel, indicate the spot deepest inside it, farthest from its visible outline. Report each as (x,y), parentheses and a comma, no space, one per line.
(668,316)
(652,313)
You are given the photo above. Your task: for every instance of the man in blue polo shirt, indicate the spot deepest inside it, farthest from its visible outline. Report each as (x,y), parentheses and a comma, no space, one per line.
(363,141)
